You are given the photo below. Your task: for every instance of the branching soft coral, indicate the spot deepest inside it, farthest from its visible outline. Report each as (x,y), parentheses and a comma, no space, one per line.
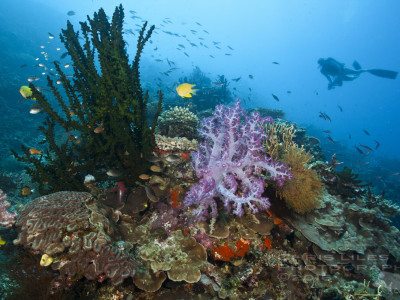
(229,162)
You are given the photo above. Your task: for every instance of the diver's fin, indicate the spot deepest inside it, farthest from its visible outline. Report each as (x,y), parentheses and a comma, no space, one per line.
(356,65)
(383,73)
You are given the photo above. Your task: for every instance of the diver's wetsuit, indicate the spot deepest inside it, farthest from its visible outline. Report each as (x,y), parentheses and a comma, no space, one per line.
(336,73)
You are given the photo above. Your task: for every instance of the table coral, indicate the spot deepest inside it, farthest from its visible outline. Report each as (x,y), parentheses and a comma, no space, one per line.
(71,228)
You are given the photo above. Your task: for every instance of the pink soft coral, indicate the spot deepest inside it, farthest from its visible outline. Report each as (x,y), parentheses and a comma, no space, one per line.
(229,162)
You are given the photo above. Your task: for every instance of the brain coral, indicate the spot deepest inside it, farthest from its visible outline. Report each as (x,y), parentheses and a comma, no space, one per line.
(72,229)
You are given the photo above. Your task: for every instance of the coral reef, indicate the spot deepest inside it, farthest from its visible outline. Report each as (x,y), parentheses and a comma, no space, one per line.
(280,138)
(229,162)
(349,232)
(147,234)
(103,115)
(7,218)
(178,122)
(181,256)
(304,191)
(175,144)
(246,216)
(72,229)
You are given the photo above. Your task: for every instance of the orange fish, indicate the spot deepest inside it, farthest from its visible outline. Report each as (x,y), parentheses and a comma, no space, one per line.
(277,221)
(78,141)
(185,155)
(35,151)
(71,113)
(98,129)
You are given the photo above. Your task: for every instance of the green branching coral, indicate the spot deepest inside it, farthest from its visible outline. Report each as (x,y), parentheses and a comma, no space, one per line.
(103,105)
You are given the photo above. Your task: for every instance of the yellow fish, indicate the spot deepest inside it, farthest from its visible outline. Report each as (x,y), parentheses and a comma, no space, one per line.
(2,242)
(25,91)
(46,260)
(185,90)
(26,191)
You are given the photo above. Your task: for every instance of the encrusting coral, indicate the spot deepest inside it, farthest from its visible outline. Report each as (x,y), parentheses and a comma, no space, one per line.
(103,114)
(181,256)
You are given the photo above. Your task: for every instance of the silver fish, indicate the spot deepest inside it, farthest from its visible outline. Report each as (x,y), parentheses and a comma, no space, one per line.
(172,158)
(150,194)
(113,173)
(35,109)
(33,78)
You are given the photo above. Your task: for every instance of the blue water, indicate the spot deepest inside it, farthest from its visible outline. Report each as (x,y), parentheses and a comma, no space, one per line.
(293,33)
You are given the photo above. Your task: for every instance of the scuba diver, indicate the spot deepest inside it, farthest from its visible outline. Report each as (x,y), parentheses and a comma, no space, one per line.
(336,72)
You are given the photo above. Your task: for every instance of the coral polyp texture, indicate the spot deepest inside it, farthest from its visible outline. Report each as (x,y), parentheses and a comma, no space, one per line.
(70,228)
(6,218)
(178,122)
(229,163)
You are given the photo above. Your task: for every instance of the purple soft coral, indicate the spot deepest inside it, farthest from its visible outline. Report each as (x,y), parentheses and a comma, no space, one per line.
(228,163)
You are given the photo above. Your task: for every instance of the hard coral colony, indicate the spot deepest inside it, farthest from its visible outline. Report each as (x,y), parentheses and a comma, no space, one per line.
(229,162)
